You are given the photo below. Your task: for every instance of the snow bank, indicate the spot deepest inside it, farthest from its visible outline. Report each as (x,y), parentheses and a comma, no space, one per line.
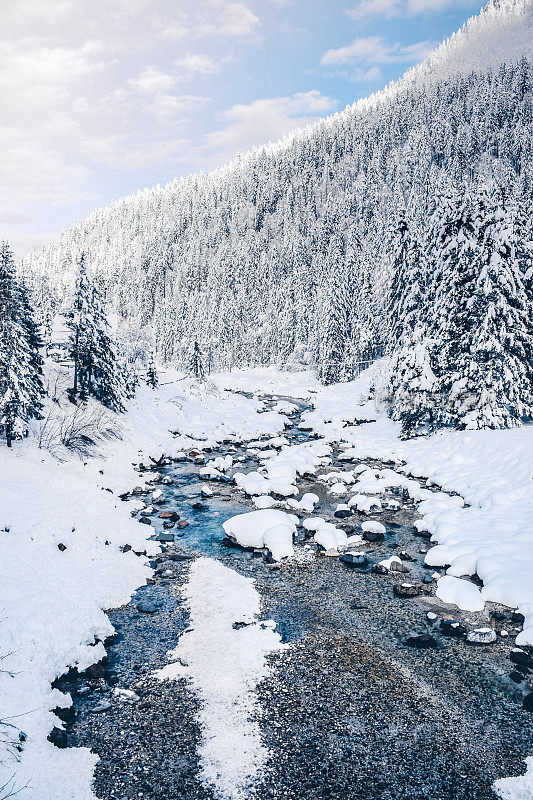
(269,380)
(460,593)
(52,603)
(519,788)
(224,665)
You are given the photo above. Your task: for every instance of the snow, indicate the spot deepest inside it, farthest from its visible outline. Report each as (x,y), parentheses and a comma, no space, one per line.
(307,502)
(266,380)
(268,527)
(330,537)
(224,665)
(264,501)
(519,788)
(459,592)
(373,527)
(53,601)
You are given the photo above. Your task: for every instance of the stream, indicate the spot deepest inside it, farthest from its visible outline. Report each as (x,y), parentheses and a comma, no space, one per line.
(349,711)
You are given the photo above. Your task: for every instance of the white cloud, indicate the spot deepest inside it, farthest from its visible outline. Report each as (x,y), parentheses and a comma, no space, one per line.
(394,8)
(261,121)
(382,8)
(376,50)
(214,18)
(198,63)
(152,80)
(169,106)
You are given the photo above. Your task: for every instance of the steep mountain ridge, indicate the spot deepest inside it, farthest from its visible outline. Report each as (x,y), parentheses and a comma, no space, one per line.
(242,258)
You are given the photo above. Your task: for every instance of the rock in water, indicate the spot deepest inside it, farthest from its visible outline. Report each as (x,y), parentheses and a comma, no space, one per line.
(450,627)
(103,705)
(527,705)
(170,515)
(146,607)
(164,537)
(423,641)
(354,559)
(481,636)
(406,590)
(372,536)
(521,658)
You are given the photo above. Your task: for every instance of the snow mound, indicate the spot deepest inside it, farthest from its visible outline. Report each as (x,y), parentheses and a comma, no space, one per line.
(252,529)
(459,592)
(224,666)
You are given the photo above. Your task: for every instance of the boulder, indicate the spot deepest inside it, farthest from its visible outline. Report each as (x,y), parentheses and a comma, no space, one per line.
(521,658)
(406,590)
(146,607)
(527,704)
(372,536)
(452,628)
(481,636)
(354,559)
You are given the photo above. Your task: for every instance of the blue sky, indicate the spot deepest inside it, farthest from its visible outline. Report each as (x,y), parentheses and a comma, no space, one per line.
(102,97)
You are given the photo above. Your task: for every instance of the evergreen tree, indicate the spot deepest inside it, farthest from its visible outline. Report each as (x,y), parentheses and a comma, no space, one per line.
(196,362)
(335,310)
(151,373)
(95,367)
(21,382)
(482,322)
(406,289)
(414,386)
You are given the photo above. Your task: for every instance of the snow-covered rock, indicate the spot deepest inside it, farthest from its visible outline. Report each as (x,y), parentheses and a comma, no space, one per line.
(459,592)
(251,529)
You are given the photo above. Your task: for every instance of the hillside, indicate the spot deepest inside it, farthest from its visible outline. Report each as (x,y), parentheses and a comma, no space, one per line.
(245,260)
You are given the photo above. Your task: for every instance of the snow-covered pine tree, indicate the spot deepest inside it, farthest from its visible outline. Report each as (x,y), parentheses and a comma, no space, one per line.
(406,287)
(95,367)
(482,320)
(21,382)
(414,386)
(151,373)
(196,362)
(334,313)
(101,371)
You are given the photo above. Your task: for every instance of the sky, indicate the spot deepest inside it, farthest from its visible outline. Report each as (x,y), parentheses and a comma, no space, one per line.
(100,98)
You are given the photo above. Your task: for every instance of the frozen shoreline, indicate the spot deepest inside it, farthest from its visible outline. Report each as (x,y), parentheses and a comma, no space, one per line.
(52,599)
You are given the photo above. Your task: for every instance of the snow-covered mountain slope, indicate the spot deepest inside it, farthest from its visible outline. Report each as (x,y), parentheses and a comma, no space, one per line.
(241,258)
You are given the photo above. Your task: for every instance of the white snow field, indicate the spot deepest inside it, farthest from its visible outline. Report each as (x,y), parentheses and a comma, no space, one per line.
(224,664)
(52,601)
